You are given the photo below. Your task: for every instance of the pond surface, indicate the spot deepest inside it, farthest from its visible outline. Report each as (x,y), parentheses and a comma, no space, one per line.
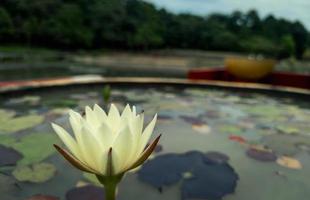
(37,70)
(215,144)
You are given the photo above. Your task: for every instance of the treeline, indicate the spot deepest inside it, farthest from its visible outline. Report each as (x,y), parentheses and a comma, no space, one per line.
(137,25)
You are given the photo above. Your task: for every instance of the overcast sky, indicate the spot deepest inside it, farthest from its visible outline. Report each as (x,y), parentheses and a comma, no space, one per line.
(289,9)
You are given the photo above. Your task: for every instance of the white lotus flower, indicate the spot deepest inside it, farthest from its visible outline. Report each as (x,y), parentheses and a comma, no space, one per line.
(107,144)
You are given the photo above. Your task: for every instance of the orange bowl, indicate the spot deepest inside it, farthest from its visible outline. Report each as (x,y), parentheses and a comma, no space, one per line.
(251,69)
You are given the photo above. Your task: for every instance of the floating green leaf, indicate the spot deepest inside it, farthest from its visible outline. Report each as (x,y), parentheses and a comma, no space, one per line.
(287,129)
(6,114)
(11,124)
(7,140)
(269,111)
(31,100)
(230,129)
(61,103)
(37,173)
(35,147)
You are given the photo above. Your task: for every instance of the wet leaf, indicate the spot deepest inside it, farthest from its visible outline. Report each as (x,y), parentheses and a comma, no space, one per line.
(37,173)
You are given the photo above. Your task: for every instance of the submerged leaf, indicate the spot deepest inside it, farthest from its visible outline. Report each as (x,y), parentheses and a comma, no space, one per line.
(37,173)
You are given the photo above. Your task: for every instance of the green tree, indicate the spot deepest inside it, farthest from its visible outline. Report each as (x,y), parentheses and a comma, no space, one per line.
(67,29)
(106,18)
(287,47)
(253,22)
(259,45)
(30,29)
(144,29)
(6,25)
(300,36)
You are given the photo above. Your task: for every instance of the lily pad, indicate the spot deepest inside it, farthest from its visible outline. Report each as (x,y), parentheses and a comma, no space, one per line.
(7,140)
(8,156)
(88,192)
(269,111)
(288,129)
(237,138)
(289,162)
(31,100)
(201,128)
(37,173)
(6,114)
(230,129)
(261,154)
(217,157)
(287,144)
(34,147)
(11,124)
(61,103)
(208,178)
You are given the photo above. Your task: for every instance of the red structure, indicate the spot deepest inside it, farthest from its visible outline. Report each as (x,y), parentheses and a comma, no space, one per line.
(275,78)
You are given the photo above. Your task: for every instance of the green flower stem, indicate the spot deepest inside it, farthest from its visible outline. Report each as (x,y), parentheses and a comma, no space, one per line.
(110,191)
(110,185)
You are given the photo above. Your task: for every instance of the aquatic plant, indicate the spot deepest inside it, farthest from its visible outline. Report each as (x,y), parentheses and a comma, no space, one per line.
(107,145)
(106,93)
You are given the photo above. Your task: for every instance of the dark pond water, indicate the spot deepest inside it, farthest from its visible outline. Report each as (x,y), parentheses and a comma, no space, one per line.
(216,145)
(38,70)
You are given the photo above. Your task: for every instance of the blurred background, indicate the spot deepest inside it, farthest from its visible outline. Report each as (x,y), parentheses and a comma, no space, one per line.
(220,140)
(56,38)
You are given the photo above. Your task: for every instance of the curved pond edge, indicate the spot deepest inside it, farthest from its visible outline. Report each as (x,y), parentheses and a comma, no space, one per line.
(24,86)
